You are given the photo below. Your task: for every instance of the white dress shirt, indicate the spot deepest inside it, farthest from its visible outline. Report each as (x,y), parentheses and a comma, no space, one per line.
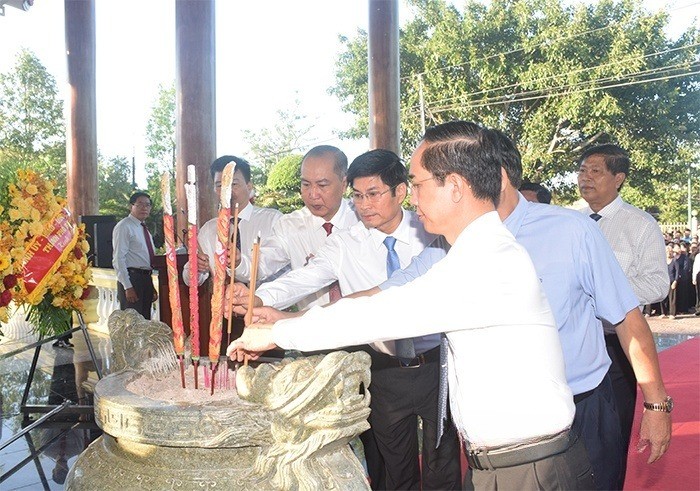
(298,235)
(129,249)
(356,258)
(251,221)
(636,239)
(506,369)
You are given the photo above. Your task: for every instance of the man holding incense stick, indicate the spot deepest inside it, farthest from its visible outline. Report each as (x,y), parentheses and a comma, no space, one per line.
(253,220)
(508,390)
(298,235)
(404,372)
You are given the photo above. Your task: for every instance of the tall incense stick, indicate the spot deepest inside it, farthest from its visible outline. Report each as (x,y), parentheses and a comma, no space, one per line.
(173,285)
(223,224)
(255,258)
(232,267)
(191,192)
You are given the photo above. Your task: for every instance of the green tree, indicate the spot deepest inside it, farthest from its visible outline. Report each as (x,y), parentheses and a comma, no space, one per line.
(160,155)
(269,145)
(556,77)
(115,186)
(32,129)
(282,189)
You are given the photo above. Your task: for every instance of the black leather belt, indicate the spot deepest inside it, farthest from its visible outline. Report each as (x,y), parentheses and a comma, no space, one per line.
(139,270)
(482,458)
(382,360)
(582,396)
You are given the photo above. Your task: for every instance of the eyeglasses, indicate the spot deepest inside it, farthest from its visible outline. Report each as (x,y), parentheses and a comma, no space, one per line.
(413,186)
(371,196)
(142,205)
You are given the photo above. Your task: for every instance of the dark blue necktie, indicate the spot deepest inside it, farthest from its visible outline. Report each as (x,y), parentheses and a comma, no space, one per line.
(405,350)
(595,216)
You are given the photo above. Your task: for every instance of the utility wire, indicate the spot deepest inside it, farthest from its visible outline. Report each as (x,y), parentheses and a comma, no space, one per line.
(517,50)
(551,95)
(582,83)
(568,73)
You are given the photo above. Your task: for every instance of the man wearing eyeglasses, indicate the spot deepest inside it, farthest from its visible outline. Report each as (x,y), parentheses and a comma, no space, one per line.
(404,372)
(133,253)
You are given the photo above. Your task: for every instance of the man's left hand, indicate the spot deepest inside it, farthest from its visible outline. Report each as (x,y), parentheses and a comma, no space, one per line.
(655,431)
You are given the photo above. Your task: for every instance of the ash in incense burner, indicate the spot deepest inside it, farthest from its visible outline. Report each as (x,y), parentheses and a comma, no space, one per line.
(287,426)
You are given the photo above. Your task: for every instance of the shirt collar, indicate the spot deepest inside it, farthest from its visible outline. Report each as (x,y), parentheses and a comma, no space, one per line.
(134,219)
(246,213)
(337,218)
(609,210)
(514,221)
(401,234)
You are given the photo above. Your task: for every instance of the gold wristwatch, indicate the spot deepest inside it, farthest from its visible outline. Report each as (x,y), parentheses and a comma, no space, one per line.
(665,406)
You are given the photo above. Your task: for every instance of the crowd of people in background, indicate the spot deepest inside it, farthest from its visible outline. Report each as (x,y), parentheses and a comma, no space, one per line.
(683,270)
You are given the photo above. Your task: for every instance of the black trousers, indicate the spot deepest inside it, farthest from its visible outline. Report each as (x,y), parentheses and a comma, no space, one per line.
(399,396)
(598,424)
(624,385)
(143,284)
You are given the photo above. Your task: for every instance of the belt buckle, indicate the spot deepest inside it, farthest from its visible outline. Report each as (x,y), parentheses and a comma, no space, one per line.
(414,363)
(473,459)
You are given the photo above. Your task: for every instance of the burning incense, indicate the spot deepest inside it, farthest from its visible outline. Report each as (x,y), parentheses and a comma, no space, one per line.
(173,286)
(191,192)
(217,303)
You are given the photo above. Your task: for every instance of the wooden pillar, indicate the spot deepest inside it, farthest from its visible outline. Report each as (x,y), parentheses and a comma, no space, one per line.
(195,103)
(81,134)
(383,58)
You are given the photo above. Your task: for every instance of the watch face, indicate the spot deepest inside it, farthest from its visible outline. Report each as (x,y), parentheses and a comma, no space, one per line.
(669,404)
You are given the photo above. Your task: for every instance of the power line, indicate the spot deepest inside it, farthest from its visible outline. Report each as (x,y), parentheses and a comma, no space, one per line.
(517,50)
(543,96)
(575,85)
(580,70)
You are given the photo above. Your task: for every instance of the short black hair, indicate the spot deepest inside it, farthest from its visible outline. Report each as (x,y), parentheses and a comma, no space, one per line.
(616,158)
(137,195)
(340,160)
(471,151)
(542,193)
(241,165)
(383,163)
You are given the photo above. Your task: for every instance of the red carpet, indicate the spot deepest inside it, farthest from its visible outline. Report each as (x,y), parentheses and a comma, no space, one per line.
(679,468)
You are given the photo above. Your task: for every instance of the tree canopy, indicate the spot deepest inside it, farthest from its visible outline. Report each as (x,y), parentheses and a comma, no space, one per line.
(32,128)
(556,77)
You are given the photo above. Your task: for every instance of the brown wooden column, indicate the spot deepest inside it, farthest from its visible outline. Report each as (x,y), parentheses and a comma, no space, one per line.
(383,56)
(81,131)
(195,102)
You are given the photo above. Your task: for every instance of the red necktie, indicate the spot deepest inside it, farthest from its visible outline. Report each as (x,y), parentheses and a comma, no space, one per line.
(335,288)
(149,245)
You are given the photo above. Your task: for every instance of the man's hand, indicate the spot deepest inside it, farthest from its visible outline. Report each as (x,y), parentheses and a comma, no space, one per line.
(270,315)
(238,296)
(131,295)
(202,262)
(256,339)
(655,431)
(674,284)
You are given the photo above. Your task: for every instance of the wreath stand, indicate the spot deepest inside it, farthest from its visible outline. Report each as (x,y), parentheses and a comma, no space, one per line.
(54,415)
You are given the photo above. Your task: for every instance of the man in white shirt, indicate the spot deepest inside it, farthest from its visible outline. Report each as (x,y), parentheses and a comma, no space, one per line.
(299,234)
(508,390)
(252,221)
(403,386)
(133,252)
(638,245)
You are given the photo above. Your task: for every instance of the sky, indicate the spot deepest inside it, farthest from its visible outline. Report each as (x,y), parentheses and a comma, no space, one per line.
(268,53)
